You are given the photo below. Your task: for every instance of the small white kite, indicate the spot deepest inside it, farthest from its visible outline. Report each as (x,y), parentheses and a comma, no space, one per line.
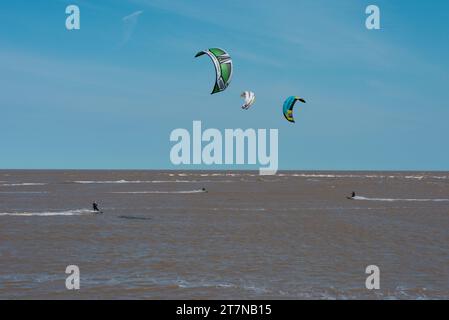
(250,98)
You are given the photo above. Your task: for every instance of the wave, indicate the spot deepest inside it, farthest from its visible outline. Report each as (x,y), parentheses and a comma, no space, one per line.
(161,192)
(77,212)
(439,177)
(320,175)
(361,176)
(149,181)
(212,174)
(22,184)
(236,209)
(393,200)
(111,182)
(24,192)
(134,218)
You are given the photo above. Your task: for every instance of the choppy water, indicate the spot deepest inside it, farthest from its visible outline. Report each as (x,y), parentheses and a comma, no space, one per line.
(289,236)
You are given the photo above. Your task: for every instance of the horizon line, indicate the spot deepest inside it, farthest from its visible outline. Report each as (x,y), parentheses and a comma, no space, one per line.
(221,170)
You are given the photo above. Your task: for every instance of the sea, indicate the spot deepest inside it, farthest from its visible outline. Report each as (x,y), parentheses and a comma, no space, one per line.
(224,235)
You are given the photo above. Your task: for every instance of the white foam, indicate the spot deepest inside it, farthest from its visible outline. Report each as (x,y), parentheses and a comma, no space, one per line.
(439,177)
(393,200)
(331,176)
(161,192)
(110,182)
(185,284)
(49,213)
(199,174)
(150,181)
(361,176)
(414,177)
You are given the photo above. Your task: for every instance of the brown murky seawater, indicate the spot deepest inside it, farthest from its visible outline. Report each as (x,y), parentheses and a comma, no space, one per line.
(289,236)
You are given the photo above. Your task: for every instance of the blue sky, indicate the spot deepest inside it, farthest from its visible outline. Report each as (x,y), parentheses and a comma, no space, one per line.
(108,95)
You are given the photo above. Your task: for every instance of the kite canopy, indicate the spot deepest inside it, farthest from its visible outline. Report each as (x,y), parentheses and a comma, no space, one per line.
(288,107)
(249,97)
(223,67)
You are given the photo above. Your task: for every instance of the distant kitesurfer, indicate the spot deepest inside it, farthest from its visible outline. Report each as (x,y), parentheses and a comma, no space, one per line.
(204,190)
(352,196)
(95,207)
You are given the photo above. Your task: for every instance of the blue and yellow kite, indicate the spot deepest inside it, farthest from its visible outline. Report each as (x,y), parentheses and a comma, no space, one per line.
(288,107)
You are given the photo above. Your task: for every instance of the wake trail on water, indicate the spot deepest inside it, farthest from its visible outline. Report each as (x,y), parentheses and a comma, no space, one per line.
(394,200)
(24,192)
(22,184)
(76,212)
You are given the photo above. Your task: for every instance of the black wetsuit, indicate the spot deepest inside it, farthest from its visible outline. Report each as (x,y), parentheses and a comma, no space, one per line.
(95,207)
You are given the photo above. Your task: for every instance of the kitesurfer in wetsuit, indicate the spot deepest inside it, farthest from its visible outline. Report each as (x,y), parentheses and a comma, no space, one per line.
(204,190)
(352,196)
(95,207)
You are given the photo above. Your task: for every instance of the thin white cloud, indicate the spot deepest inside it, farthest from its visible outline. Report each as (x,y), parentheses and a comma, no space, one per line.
(132,16)
(129,25)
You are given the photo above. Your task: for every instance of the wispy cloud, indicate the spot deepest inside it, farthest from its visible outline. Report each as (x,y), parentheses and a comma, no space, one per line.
(129,25)
(133,16)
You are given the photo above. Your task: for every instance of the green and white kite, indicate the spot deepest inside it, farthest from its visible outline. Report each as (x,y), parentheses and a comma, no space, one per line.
(223,67)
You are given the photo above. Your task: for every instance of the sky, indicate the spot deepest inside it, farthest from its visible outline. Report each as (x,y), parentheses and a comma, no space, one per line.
(108,96)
